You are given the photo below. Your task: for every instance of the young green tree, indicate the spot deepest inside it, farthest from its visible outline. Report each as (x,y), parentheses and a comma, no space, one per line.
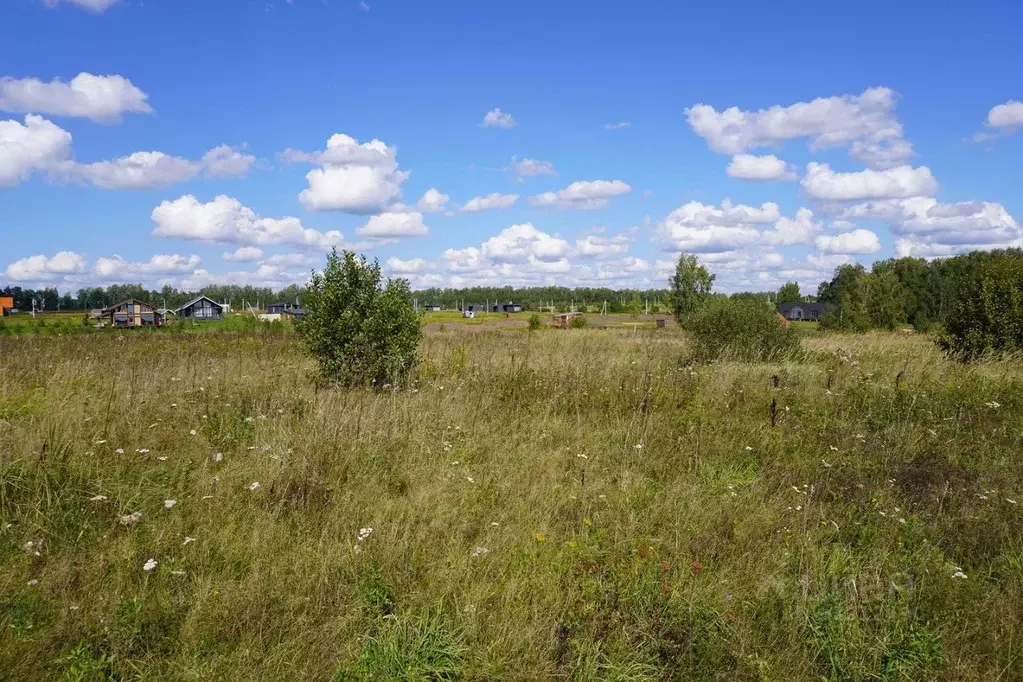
(688,287)
(789,293)
(360,331)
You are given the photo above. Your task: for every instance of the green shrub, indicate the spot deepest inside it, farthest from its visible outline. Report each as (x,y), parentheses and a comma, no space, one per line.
(745,330)
(986,316)
(360,332)
(534,322)
(578,322)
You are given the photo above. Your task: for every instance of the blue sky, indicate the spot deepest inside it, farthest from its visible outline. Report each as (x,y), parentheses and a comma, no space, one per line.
(832,132)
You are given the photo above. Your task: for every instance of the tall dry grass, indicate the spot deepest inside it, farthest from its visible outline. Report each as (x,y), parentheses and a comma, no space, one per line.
(575,504)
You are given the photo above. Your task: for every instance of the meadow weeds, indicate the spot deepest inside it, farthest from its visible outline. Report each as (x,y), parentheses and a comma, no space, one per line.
(568,504)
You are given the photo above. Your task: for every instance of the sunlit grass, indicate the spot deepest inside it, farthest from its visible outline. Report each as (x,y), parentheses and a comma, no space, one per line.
(570,504)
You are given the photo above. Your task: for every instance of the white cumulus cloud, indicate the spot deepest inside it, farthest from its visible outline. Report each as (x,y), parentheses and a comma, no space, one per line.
(856,241)
(38,145)
(394,225)
(524,242)
(821,182)
(585,195)
(492,200)
(99,98)
(117,269)
(432,201)
(43,269)
(762,168)
(227,220)
(243,254)
(1008,116)
(527,168)
(864,123)
(353,177)
(495,118)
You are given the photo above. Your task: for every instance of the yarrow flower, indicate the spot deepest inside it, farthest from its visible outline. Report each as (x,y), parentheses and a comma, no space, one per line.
(130,519)
(98,498)
(958,574)
(149,565)
(254,486)
(188,540)
(167,504)
(32,547)
(119,451)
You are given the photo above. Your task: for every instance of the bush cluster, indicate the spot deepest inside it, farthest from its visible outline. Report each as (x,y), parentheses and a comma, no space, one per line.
(739,329)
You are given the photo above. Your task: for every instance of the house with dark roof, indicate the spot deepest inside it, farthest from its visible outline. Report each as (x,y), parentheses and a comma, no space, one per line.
(131,313)
(280,308)
(201,309)
(802,312)
(506,308)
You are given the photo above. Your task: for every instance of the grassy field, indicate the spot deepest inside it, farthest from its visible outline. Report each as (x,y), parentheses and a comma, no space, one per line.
(576,505)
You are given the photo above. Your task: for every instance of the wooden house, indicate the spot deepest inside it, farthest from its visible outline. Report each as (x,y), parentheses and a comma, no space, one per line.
(131,313)
(6,305)
(201,309)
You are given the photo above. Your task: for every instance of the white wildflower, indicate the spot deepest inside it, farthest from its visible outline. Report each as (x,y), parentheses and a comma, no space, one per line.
(192,432)
(582,455)
(254,486)
(98,498)
(32,547)
(168,504)
(365,533)
(177,572)
(748,448)
(993,405)
(188,540)
(494,523)
(218,457)
(162,459)
(149,565)
(480,551)
(130,519)
(639,446)
(119,451)
(958,574)
(142,451)
(33,581)
(470,479)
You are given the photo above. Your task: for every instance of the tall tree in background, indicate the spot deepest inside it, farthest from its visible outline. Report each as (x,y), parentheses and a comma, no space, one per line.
(688,287)
(789,293)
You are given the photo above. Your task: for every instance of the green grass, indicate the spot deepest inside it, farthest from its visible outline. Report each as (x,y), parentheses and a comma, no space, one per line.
(578,504)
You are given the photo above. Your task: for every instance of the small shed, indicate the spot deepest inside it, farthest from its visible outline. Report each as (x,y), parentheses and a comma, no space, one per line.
(202,308)
(506,308)
(432,307)
(563,319)
(131,313)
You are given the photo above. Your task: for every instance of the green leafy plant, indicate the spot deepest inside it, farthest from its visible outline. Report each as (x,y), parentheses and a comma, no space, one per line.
(740,329)
(360,331)
(689,287)
(987,314)
(578,322)
(534,322)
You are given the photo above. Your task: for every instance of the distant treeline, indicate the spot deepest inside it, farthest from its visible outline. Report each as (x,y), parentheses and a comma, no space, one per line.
(912,291)
(536,298)
(50,299)
(892,292)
